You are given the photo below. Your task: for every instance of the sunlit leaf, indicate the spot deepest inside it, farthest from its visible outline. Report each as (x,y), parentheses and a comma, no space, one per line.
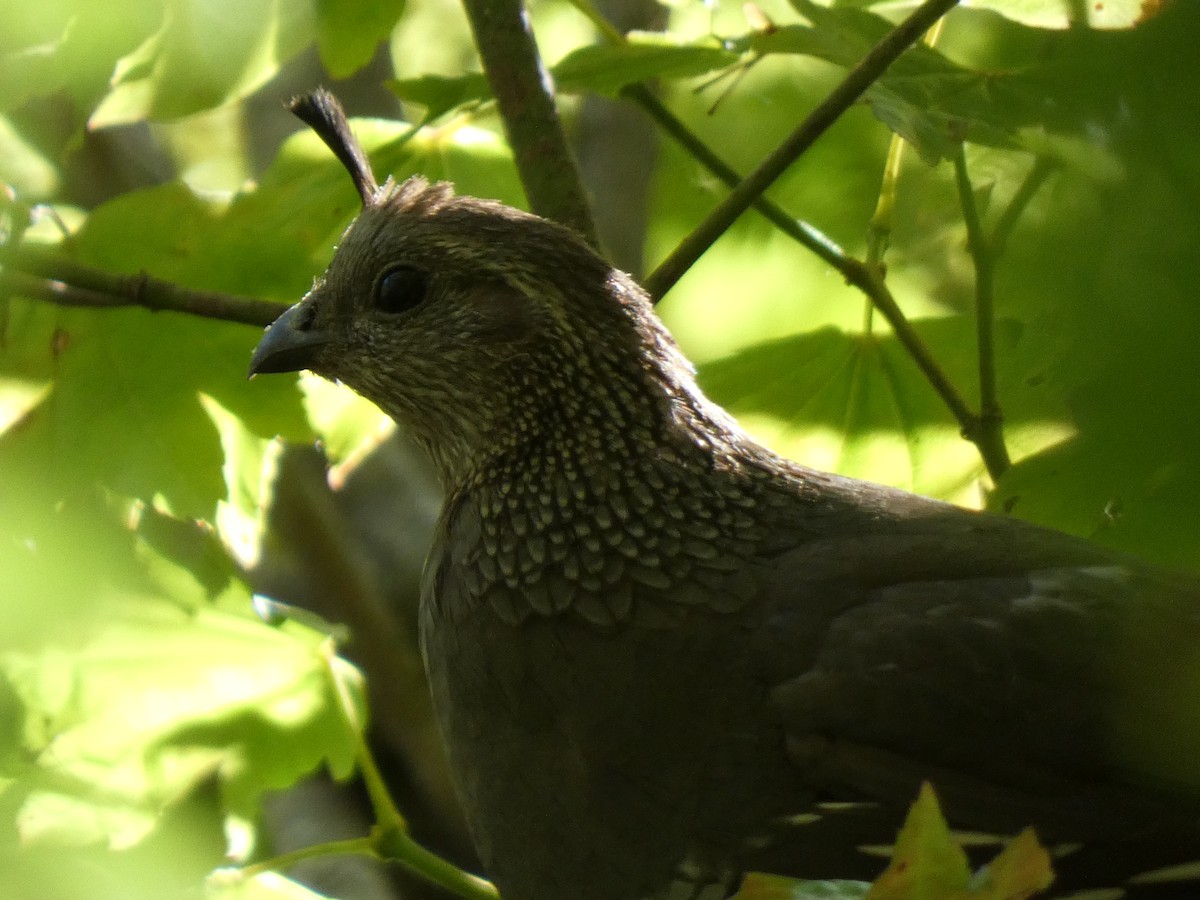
(205,53)
(23,167)
(853,405)
(348,425)
(249,469)
(158,698)
(70,45)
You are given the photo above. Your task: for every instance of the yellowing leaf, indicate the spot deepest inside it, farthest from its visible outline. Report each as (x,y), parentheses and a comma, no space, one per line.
(1020,871)
(927,863)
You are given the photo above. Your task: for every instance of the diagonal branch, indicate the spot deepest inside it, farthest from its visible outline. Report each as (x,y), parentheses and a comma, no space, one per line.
(856,82)
(864,276)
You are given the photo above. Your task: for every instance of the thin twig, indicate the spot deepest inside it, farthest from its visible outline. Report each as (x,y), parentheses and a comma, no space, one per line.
(19,284)
(363,846)
(523,93)
(41,276)
(989,437)
(879,229)
(387,815)
(856,82)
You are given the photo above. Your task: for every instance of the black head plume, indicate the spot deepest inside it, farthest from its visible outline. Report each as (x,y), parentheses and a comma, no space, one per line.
(321,111)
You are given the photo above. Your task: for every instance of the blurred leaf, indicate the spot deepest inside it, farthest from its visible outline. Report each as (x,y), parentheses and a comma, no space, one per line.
(158,698)
(185,846)
(17,398)
(53,553)
(830,44)
(931,138)
(68,45)
(23,167)
(927,863)
(1093,161)
(204,54)
(249,470)
(349,31)
(924,97)
(439,93)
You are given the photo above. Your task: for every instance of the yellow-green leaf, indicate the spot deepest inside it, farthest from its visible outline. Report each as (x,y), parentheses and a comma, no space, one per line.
(927,863)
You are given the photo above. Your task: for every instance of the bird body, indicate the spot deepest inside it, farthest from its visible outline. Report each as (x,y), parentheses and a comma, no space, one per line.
(650,640)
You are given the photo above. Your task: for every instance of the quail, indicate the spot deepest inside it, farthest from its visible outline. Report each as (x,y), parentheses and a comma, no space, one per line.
(653,644)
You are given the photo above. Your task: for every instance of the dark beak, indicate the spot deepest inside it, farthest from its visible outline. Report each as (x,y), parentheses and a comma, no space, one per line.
(290,343)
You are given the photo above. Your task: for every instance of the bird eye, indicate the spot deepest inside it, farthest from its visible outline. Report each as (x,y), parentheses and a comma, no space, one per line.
(400,289)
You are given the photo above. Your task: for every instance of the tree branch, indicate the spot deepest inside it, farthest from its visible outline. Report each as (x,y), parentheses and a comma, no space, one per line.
(42,276)
(989,434)
(856,82)
(525,97)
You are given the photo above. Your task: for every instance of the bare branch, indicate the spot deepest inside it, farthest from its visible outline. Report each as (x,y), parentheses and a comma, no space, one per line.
(41,276)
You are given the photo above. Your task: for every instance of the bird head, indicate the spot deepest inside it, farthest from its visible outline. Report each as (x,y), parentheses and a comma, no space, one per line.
(480,327)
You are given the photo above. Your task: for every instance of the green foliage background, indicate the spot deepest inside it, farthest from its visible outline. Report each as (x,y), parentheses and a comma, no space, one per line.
(135,459)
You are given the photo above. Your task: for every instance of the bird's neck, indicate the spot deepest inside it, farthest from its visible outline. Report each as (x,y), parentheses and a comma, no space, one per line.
(596,514)
(606,422)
